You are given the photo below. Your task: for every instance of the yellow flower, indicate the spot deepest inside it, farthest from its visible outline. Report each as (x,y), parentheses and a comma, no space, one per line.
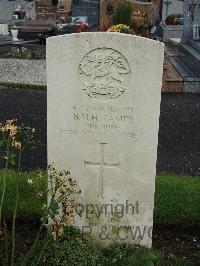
(44,206)
(120,28)
(39,194)
(33,130)
(13,130)
(30,181)
(9,126)
(40,174)
(16,144)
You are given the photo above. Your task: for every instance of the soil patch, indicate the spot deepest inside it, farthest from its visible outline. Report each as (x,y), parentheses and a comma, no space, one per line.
(171,240)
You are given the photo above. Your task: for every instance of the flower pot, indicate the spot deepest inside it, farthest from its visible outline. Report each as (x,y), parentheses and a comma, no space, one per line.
(14,33)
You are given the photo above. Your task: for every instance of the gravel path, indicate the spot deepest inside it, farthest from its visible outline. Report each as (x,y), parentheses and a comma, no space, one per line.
(23,71)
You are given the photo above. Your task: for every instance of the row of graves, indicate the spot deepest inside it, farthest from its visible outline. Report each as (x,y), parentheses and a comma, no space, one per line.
(41,17)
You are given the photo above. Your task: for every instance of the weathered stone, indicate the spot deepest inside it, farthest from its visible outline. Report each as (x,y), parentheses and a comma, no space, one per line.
(191,18)
(103,117)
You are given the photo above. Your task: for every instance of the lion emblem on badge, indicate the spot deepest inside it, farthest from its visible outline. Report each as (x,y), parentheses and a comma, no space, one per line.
(105,74)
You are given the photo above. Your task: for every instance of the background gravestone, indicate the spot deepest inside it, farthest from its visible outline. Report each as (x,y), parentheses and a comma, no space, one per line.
(103,117)
(171,7)
(30,11)
(191,17)
(45,13)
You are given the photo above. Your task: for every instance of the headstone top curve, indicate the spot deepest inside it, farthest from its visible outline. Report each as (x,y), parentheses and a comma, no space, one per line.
(108,34)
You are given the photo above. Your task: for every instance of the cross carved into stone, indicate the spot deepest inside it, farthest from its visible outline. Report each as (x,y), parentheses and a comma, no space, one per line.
(167,3)
(101,165)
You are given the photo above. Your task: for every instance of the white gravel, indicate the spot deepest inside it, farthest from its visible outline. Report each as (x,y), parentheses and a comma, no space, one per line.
(23,71)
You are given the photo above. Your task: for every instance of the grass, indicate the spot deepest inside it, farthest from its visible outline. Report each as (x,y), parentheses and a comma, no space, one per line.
(30,203)
(177,198)
(74,248)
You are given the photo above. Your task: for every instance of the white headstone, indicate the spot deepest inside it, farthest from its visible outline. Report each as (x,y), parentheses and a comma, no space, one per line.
(104,94)
(4,30)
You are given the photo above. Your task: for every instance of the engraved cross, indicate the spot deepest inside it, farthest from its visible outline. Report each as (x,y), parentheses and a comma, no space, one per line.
(101,165)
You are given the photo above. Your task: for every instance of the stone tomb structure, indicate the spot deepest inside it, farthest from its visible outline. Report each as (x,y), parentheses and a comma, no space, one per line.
(103,119)
(188,63)
(191,29)
(171,31)
(45,12)
(171,7)
(144,13)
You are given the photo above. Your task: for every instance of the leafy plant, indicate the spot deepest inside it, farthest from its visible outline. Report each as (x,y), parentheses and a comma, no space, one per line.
(14,138)
(72,248)
(57,216)
(123,15)
(171,19)
(13,26)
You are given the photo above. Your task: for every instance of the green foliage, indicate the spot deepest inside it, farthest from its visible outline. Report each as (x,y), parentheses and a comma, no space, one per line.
(181,262)
(32,196)
(132,256)
(177,199)
(15,138)
(123,15)
(72,248)
(170,20)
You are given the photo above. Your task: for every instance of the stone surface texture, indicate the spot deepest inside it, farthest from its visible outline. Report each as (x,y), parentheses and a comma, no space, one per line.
(191,17)
(172,81)
(142,12)
(22,71)
(171,31)
(103,117)
(172,7)
(6,8)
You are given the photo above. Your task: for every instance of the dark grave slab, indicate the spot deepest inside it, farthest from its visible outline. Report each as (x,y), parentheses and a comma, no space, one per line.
(32,32)
(172,80)
(189,69)
(191,51)
(89,8)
